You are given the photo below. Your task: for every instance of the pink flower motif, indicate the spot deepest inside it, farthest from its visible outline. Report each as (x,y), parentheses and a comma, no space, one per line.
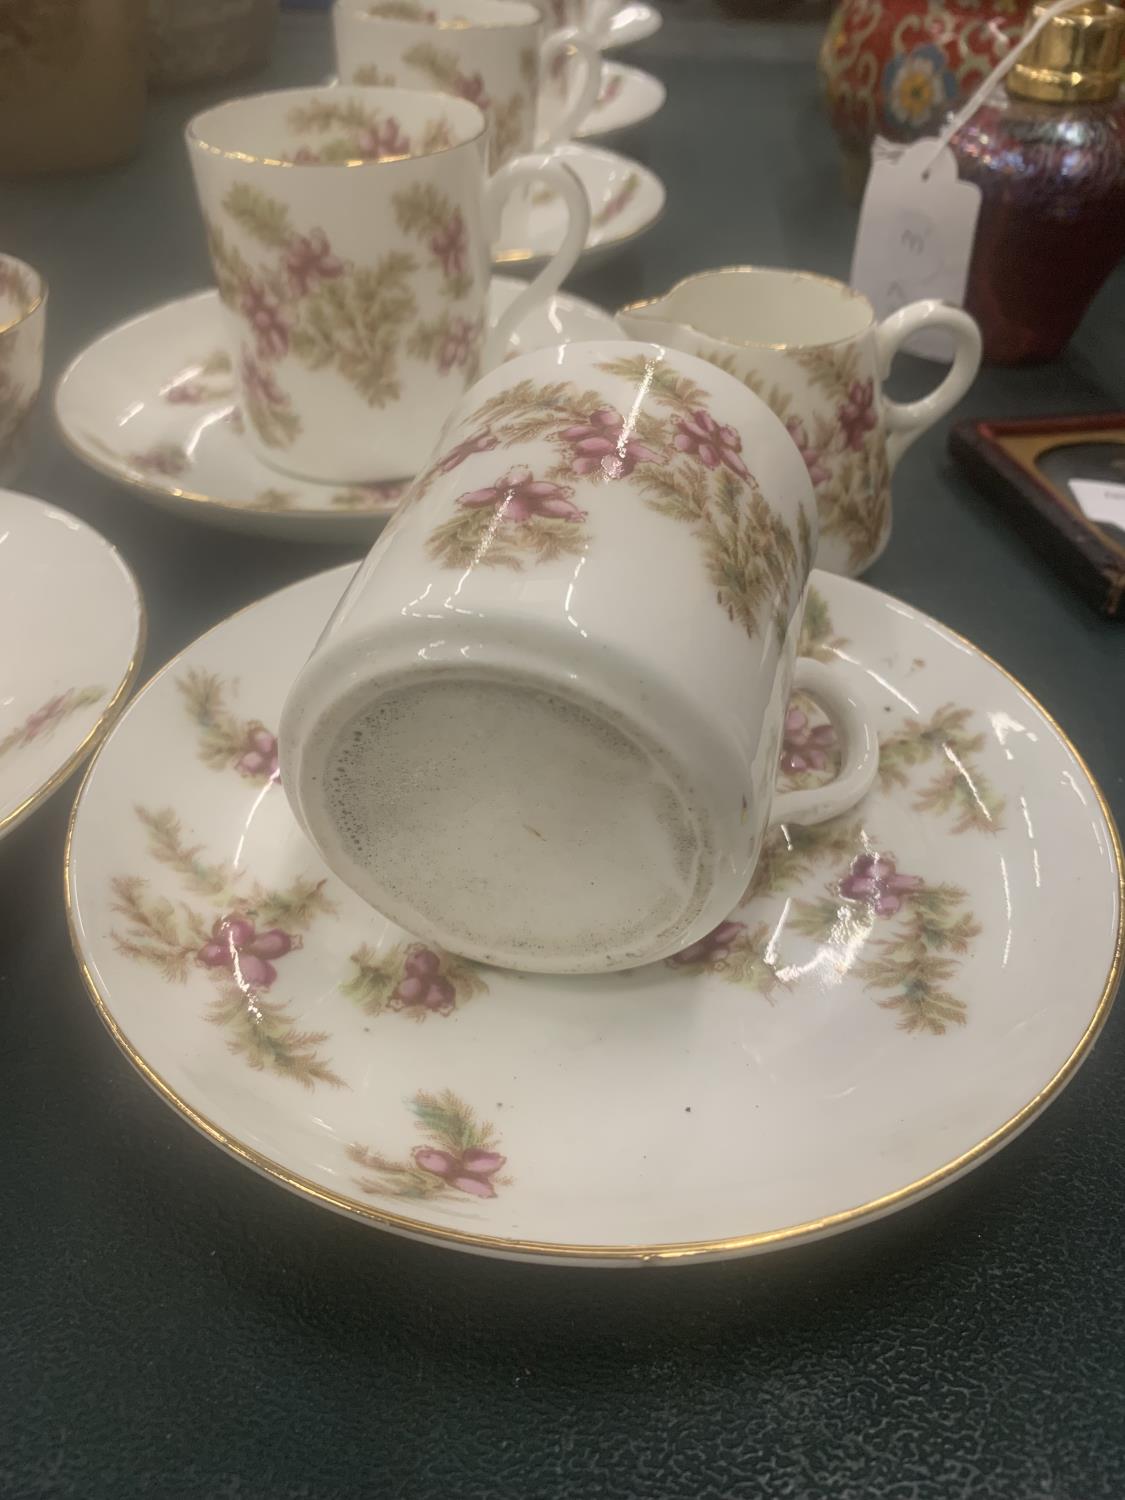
(459,344)
(602,443)
(873,878)
(519,497)
(611,88)
(234,945)
(710,950)
(449,246)
(471,87)
(379,141)
(804,748)
(818,473)
(711,443)
(260,383)
(263,312)
(424,987)
(468,1171)
(480,442)
(259,757)
(309,259)
(856,415)
(35,723)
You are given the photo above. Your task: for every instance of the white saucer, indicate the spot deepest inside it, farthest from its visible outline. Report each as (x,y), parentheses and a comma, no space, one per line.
(71,636)
(907,988)
(151,404)
(628,97)
(632,23)
(625,200)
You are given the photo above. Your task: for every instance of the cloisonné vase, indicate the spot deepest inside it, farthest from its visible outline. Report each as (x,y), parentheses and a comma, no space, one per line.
(896,68)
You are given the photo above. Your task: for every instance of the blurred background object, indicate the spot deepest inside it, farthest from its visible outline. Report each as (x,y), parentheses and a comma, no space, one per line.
(896,68)
(1047,150)
(72,83)
(199,41)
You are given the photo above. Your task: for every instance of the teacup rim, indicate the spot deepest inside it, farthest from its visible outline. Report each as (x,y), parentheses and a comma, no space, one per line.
(196,141)
(37,301)
(739,270)
(351,9)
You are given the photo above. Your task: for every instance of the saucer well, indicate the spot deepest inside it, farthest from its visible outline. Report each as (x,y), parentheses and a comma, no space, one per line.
(151,403)
(901,991)
(625,200)
(72,626)
(633,23)
(628,97)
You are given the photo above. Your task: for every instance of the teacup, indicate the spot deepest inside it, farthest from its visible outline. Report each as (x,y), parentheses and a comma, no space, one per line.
(491,52)
(349,230)
(813,350)
(23,318)
(542,728)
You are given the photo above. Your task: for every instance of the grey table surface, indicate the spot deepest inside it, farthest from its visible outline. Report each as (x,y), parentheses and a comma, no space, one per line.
(172,1326)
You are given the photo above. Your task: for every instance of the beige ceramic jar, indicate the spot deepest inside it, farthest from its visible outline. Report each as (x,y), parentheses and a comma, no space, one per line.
(72,83)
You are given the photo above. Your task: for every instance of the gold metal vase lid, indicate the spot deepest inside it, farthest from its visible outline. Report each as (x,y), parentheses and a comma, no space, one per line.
(1074,58)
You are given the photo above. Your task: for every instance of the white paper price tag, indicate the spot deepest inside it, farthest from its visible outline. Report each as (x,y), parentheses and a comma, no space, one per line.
(1101,501)
(915,236)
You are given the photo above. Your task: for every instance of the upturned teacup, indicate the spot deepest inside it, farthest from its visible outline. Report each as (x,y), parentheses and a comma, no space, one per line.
(542,728)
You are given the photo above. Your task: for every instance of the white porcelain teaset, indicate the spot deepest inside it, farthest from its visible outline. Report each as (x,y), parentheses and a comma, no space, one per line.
(585,876)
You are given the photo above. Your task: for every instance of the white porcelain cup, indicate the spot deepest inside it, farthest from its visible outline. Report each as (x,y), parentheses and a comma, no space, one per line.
(23,320)
(491,52)
(813,349)
(349,230)
(542,727)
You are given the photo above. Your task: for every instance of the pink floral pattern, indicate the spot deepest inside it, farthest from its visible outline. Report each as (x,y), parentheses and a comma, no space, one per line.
(268,325)
(683,462)
(449,245)
(480,442)
(226,741)
(309,260)
(711,443)
(856,414)
(45,719)
(602,444)
(875,880)
(804,746)
(246,954)
(519,496)
(710,951)
(819,472)
(168,459)
(615,206)
(469,1171)
(234,932)
(412,979)
(460,1157)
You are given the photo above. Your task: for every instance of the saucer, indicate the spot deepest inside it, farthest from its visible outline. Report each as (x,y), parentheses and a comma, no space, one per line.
(901,992)
(625,200)
(628,97)
(632,23)
(73,625)
(151,404)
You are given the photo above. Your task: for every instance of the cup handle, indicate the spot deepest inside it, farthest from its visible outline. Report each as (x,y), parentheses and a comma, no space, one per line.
(598,17)
(520,172)
(581,103)
(907,420)
(855,727)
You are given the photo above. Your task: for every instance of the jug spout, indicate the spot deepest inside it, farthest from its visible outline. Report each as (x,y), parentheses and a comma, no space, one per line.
(648,320)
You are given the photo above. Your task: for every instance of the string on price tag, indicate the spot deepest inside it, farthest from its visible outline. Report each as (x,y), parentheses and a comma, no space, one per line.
(918,220)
